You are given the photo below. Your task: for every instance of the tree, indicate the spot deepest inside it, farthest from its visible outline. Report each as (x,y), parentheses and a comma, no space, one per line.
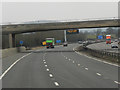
(98,32)
(109,30)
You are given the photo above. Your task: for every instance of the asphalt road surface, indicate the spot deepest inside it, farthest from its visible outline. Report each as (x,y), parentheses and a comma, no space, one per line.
(104,46)
(60,67)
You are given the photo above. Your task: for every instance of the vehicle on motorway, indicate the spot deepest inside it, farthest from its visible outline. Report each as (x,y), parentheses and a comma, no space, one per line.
(65,44)
(91,42)
(108,39)
(80,42)
(84,42)
(114,46)
(116,40)
(28,48)
(50,42)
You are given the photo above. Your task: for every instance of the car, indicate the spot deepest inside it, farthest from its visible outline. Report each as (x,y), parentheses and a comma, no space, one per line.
(84,42)
(65,44)
(114,46)
(80,42)
(28,48)
(116,40)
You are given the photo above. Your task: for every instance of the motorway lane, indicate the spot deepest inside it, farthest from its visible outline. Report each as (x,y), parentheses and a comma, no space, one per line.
(109,73)
(7,61)
(70,75)
(28,73)
(51,68)
(93,65)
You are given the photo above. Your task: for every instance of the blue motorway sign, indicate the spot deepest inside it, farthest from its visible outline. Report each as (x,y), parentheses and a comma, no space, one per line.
(21,42)
(100,37)
(58,41)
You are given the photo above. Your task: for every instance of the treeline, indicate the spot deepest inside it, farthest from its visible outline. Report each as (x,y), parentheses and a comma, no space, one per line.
(36,39)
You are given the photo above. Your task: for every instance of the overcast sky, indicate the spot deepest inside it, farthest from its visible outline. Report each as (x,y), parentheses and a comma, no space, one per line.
(31,11)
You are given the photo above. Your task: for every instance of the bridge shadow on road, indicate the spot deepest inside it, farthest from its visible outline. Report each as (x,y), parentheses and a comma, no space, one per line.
(48,51)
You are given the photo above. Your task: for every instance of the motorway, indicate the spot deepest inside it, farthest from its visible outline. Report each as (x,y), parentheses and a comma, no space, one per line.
(104,46)
(60,67)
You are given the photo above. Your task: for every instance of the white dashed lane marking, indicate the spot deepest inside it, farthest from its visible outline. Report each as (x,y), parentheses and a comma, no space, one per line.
(98,74)
(73,61)
(47,69)
(117,82)
(44,62)
(45,65)
(56,83)
(96,59)
(51,75)
(86,68)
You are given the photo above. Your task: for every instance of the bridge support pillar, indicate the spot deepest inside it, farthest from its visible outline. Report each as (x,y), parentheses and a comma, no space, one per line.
(11,40)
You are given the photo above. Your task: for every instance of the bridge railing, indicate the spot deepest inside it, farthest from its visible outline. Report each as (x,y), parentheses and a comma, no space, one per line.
(53,21)
(91,19)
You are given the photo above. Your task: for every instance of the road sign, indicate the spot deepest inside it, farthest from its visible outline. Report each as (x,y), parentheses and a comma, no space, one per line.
(58,41)
(72,31)
(100,37)
(21,42)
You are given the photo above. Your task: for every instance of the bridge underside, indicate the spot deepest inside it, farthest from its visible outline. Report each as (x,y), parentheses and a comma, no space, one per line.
(11,30)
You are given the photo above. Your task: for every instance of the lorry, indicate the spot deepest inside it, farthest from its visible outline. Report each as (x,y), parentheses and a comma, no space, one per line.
(50,42)
(108,39)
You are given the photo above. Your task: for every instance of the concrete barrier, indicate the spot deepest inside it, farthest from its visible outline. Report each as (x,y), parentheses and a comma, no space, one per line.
(110,56)
(12,51)
(21,49)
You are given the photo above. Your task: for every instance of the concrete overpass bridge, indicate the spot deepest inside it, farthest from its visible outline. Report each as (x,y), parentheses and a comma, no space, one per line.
(13,29)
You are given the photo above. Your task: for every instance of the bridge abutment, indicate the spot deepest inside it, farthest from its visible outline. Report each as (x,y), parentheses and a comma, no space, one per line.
(11,40)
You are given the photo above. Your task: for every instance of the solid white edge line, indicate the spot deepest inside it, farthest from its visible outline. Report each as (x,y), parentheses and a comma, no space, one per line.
(117,82)
(44,62)
(56,83)
(97,59)
(13,65)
